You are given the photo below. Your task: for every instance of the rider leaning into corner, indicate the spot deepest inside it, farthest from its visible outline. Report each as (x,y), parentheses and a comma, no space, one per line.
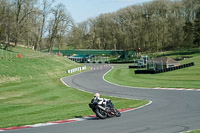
(103,107)
(101,100)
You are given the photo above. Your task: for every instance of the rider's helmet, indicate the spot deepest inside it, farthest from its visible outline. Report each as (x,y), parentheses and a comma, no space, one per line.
(97,95)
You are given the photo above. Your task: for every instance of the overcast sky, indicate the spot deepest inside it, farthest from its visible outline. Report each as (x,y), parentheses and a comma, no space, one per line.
(84,9)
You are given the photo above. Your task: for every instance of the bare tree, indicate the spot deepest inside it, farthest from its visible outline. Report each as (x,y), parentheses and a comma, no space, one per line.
(60,17)
(23,9)
(6,22)
(45,11)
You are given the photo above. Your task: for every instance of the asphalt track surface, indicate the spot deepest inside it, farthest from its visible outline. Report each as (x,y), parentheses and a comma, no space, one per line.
(171,111)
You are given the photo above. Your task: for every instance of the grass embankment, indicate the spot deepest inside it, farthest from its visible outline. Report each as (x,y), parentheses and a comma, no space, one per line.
(182,78)
(195,131)
(31,91)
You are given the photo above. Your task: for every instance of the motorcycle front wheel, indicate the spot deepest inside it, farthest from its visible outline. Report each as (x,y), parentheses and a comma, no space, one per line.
(100,113)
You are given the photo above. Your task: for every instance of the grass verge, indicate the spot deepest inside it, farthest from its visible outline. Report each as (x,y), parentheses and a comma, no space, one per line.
(182,78)
(31,91)
(195,131)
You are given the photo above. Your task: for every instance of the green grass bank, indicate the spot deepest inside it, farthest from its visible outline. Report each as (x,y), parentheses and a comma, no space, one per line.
(195,131)
(182,78)
(31,91)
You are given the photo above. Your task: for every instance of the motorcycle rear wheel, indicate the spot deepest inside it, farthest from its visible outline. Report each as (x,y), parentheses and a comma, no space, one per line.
(100,113)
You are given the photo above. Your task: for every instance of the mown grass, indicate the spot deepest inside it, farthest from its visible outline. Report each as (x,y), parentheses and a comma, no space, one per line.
(195,131)
(182,78)
(31,91)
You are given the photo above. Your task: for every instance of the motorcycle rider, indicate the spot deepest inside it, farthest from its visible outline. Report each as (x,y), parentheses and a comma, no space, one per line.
(97,103)
(101,101)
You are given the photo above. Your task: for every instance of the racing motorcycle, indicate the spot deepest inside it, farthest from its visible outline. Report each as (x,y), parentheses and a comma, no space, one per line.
(104,110)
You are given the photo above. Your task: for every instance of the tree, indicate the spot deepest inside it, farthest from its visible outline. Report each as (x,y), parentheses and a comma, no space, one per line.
(60,18)
(197,29)
(23,9)
(46,6)
(188,34)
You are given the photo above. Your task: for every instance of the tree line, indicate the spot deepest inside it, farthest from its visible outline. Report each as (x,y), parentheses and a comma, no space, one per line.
(155,26)
(40,24)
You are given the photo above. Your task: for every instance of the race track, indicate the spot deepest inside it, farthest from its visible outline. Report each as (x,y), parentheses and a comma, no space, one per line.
(171,111)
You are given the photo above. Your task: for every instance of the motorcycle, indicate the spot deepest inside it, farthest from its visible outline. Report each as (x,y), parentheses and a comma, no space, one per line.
(103,111)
